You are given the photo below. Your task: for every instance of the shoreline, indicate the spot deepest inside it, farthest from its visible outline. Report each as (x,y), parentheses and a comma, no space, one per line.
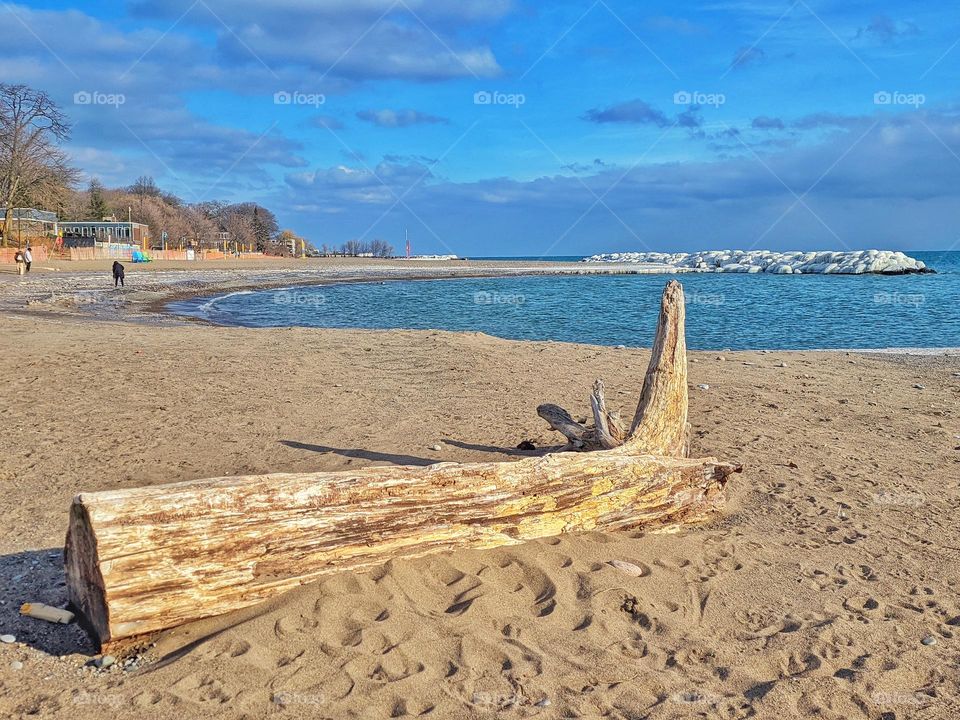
(150,305)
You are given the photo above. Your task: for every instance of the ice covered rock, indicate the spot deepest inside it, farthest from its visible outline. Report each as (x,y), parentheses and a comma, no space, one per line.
(855,262)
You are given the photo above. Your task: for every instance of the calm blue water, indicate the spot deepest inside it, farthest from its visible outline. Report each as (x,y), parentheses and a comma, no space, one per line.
(723,310)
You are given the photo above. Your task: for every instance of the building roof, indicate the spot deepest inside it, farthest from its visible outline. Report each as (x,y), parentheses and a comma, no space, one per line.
(100,222)
(31,214)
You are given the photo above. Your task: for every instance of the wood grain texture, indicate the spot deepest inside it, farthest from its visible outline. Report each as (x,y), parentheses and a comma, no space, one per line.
(146,559)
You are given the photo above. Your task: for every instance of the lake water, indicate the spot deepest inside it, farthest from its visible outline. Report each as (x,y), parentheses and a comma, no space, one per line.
(734,311)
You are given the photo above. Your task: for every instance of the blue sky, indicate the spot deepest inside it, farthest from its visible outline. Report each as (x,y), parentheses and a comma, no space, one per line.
(501,127)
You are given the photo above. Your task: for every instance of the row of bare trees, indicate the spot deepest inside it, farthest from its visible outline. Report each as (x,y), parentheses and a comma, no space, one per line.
(376,248)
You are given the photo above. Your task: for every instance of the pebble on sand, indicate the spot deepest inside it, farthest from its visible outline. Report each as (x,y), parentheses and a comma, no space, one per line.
(7,639)
(16,665)
(918,386)
(929,640)
(438,447)
(106,661)
(703,386)
(628,567)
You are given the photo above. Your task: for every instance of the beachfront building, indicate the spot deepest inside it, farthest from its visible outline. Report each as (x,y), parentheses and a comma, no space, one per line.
(91,233)
(30,222)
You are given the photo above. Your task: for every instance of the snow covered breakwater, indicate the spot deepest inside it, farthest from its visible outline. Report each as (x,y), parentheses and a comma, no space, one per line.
(857,262)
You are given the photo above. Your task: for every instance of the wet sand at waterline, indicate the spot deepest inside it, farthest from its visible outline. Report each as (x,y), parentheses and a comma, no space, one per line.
(828,589)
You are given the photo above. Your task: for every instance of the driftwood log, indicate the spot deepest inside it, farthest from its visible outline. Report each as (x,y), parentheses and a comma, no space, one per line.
(146,559)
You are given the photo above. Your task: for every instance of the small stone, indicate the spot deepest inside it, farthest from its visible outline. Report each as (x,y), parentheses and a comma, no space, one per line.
(106,661)
(438,447)
(918,386)
(16,665)
(781,364)
(703,386)
(7,639)
(620,347)
(628,568)
(929,640)
(721,358)
(543,703)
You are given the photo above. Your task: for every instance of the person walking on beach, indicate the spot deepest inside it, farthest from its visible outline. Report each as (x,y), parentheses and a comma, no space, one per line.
(21,263)
(117,273)
(28,257)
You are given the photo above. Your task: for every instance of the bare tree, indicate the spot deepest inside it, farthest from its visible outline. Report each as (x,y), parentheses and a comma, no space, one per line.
(201,227)
(32,166)
(240,227)
(381,248)
(142,188)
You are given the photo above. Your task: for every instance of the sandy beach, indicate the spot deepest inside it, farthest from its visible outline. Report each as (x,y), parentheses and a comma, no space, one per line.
(828,589)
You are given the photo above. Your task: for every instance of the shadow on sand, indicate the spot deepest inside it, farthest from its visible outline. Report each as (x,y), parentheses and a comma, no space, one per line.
(38,576)
(362,454)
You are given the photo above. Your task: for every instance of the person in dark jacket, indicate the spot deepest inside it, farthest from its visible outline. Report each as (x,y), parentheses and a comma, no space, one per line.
(117,274)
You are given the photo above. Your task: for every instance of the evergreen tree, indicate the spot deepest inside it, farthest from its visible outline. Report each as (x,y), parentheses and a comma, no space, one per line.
(97,209)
